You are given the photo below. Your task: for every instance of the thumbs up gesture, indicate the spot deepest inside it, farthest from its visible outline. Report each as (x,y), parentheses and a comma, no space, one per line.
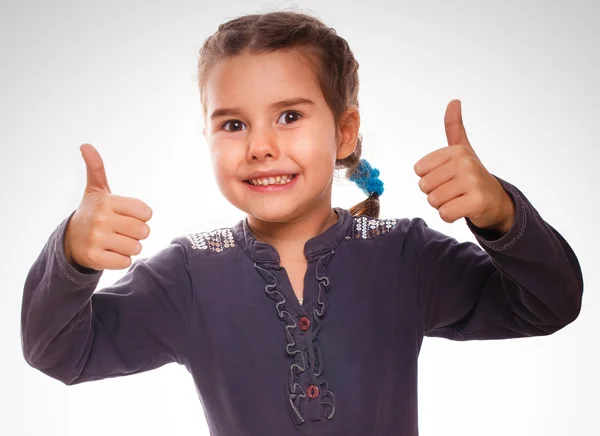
(105,230)
(458,185)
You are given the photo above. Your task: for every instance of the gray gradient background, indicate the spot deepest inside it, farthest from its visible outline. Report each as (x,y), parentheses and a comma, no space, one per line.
(121,75)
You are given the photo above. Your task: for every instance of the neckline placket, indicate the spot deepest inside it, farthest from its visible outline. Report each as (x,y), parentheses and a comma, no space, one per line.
(309,396)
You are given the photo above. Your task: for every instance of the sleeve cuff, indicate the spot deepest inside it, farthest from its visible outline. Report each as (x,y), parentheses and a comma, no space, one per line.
(489,238)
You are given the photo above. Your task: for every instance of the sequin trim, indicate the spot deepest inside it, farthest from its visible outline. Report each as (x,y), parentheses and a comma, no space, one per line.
(368,228)
(216,240)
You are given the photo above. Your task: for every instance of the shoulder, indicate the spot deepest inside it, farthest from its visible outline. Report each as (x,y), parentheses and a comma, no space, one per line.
(364,227)
(213,241)
(403,233)
(371,228)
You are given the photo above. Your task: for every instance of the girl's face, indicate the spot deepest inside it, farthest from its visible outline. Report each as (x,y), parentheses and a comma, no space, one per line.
(267,113)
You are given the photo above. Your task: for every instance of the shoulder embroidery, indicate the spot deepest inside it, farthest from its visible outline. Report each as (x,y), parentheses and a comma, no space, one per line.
(368,228)
(215,240)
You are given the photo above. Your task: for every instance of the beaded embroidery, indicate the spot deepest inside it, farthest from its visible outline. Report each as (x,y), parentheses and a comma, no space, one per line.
(216,240)
(367,228)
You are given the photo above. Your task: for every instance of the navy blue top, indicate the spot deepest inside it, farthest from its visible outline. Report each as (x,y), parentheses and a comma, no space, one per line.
(344,362)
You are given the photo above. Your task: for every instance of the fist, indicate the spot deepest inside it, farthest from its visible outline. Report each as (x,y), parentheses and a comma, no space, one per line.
(106,229)
(458,185)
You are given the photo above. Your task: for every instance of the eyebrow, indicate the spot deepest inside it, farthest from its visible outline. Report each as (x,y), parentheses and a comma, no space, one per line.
(280,104)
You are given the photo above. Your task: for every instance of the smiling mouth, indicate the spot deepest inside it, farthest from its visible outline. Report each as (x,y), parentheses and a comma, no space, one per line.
(277,180)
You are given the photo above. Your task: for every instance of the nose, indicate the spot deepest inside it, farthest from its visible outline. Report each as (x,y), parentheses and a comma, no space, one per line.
(262,145)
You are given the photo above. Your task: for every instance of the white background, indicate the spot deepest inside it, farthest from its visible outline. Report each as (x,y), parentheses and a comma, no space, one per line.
(121,76)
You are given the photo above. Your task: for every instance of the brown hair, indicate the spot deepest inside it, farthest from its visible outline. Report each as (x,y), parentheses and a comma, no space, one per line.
(335,65)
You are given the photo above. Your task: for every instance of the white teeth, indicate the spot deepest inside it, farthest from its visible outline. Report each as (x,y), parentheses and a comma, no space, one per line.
(277,180)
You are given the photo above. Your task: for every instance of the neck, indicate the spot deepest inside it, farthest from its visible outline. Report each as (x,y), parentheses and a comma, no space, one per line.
(289,237)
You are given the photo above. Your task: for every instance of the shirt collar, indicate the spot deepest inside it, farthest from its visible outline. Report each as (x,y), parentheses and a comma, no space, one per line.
(265,253)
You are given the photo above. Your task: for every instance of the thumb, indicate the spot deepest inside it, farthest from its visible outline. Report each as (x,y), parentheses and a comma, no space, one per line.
(453,122)
(96,175)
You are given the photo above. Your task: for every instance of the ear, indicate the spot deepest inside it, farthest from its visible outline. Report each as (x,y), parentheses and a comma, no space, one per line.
(204,133)
(349,127)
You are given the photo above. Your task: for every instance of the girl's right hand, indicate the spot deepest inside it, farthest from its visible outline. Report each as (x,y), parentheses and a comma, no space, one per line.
(105,230)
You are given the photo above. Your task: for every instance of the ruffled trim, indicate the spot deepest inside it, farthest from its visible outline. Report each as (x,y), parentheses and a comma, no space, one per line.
(324,286)
(313,354)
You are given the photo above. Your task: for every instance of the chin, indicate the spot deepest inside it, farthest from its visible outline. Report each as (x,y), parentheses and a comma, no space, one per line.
(274,213)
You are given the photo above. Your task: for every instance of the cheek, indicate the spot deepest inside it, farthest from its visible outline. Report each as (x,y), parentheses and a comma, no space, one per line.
(223,162)
(224,169)
(316,148)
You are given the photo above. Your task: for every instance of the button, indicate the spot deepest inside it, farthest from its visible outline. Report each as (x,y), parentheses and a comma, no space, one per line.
(304,323)
(312,391)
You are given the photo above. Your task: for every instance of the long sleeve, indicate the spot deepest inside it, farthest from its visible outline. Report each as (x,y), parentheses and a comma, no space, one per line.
(73,333)
(528,282)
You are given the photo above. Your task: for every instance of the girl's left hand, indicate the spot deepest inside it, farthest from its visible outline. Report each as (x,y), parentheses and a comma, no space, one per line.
(458,185)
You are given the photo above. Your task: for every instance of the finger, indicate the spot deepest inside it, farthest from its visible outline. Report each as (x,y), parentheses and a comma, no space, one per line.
(131,207)
(453,122)
(123,245)
(112,260)
(131,227)
(433,160)
(455,209)
(96,174)
(445,193)
(438,176)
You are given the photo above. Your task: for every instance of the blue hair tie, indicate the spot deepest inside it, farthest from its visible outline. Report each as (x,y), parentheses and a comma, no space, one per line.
(366,178)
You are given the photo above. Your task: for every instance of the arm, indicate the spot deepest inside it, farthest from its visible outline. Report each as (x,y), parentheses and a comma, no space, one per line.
(526,282)
(139,323)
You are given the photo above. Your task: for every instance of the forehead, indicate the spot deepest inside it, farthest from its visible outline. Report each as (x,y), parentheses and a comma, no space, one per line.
(259,79)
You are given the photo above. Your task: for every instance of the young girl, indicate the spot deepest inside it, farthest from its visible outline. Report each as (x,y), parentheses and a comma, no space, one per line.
(301,318)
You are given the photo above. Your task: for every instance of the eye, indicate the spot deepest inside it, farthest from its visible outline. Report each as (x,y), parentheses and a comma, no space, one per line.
(236,123)
(291,116)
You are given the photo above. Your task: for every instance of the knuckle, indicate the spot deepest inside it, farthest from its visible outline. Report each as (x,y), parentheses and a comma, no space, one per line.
(444,214)
(94,237)
(127,261)
(145,211)
(470,163)
(457,165)
(98,220)
(103,201)
(472,179)
(432,199)
(92,259)
(140,232)
(479,200)
(461,150)
(463,165)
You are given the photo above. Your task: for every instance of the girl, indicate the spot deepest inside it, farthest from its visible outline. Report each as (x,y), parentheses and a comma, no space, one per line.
(301,318)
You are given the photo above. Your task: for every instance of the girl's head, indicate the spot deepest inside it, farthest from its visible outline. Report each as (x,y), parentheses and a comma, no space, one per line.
(279,92)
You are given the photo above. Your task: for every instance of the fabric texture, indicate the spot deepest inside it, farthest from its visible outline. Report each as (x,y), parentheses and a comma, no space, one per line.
(341,363)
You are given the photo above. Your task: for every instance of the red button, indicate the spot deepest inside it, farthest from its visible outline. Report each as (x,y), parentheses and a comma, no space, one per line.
(304,323)
(312,391)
